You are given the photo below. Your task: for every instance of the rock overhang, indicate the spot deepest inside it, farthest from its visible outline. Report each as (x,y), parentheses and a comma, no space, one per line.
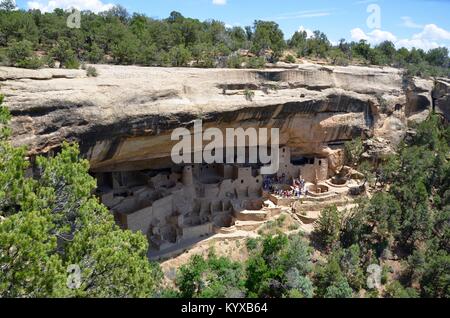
(125,115)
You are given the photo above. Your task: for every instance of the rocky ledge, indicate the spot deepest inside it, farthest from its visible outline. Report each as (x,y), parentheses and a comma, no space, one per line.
(123,118)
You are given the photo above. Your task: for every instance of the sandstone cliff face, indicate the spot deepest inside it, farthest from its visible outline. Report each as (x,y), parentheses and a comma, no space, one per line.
(123,119)
(441,96)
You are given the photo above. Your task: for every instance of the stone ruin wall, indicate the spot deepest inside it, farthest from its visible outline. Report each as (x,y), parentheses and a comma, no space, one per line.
(200,200)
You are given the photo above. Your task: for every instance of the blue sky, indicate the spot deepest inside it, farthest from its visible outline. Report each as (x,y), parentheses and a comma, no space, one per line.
(420,23)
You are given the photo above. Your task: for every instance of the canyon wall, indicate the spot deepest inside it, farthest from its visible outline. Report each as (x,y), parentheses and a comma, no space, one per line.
(123,119)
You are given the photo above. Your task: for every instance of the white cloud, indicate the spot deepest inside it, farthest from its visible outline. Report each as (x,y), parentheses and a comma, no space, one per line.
(419,44)
(309,32)
(365,1)
(301,14)
(232,25)
(432,32)
(375,37)
(50,5)
(358,34)
(430,37)
(409,23)
(219,2)
(314,15)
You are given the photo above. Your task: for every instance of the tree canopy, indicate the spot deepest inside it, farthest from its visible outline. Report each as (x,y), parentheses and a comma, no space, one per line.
(53,223)
(116,36)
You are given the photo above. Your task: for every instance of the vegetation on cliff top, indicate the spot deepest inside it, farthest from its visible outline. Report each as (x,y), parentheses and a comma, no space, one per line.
(31,39)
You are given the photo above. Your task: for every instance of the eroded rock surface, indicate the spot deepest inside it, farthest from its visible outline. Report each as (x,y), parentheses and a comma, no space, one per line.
(124,118)
(441,97)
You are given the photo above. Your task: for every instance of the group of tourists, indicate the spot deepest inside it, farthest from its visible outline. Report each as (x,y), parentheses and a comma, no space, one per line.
(270,182)
(297,186)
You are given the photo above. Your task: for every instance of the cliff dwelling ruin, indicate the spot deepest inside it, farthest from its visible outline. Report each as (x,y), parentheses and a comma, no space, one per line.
(180,205)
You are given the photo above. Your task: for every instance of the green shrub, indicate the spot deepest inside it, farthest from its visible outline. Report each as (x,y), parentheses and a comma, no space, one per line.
(91,71)
(95,54)
(3,56)
(249,94)
(252,244)
(150,56)
(49,61)
(373,294)
(281,220)
(211,277)
(384,104)
(274,87)
(72,64)
(338,57)
(385,275)
(290,59)
(19,51)
(63,53)
(423,69)
(20,54)
(33,62)
(235,61)
(179,56)
(396,290)
(354,150)
(329,226)
(126,51)
(256,62)
(301,53)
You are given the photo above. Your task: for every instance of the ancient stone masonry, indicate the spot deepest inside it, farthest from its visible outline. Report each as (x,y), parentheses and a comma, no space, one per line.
(186,203)
(189,202)
(312,169)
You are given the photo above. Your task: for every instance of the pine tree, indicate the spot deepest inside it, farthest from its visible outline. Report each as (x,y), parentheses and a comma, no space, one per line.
(54,222)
